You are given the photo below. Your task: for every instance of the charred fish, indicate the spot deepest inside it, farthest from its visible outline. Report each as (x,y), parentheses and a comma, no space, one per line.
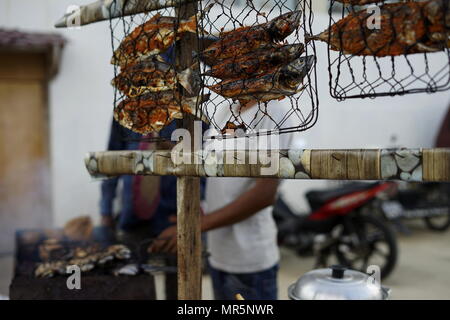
(275,84)
(153,37)
(146,114)
(255,63)
(405,28)
(152,75)
(246,39)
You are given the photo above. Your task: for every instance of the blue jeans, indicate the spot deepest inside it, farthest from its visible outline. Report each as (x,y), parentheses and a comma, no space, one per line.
(252,286)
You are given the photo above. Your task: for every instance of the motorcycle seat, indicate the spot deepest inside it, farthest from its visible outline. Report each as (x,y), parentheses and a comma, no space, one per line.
(318,197)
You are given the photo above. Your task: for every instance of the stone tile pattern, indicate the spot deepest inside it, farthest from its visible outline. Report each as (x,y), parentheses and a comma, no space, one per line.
(355,164)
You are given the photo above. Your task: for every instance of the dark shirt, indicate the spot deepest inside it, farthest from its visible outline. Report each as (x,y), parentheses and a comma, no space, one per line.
(124,139)
(120,138)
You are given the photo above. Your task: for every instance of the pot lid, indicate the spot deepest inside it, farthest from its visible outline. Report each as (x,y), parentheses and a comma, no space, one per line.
(336,283)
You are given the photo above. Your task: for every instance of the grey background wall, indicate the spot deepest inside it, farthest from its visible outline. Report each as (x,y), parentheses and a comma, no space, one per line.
(81,102)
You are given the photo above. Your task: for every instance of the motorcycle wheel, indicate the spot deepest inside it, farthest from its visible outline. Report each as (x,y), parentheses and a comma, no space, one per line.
(371,235)
(440,223)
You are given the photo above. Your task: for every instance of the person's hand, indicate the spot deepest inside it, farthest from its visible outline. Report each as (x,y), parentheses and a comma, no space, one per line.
(107,221)
(166,241)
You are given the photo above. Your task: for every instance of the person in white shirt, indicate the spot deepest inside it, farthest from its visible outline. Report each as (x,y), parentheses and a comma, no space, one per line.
(241,232)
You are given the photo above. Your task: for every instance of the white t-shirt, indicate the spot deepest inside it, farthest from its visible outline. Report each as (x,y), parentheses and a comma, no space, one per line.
(250,245)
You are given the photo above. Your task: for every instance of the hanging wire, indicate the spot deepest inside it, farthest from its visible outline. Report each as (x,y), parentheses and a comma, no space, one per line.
(408,54)
(257,75)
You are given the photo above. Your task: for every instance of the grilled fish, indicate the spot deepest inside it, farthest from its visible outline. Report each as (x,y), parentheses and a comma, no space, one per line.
(255,63)
(405,28)
(152,75)
(246,39)
(146,114)
(275,84)
(151,38)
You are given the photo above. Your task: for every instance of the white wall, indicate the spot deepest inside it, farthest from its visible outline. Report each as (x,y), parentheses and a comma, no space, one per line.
(81,109)
(366,123)
(80,101)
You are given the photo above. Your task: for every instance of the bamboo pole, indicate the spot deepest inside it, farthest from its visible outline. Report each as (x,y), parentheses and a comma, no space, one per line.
(355,164)
(109,9)
(189,258)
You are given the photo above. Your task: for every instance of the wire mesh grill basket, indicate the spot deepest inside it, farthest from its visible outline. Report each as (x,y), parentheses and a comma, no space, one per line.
(262,66)
(387,48)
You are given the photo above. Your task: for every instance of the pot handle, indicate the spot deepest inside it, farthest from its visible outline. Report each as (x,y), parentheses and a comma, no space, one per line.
(386,292)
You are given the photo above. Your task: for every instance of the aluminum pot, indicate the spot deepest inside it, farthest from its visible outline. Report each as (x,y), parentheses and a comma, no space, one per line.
(337,283)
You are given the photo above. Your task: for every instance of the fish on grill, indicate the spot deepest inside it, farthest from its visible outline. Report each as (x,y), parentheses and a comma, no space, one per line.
(276,84)
(152,75)
(247,39)
(152,112)
(86,262)
(153,37)
(255,63)
(405,28)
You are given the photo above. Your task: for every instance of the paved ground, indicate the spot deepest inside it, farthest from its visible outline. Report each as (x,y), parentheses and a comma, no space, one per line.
(422,272)
(6,268)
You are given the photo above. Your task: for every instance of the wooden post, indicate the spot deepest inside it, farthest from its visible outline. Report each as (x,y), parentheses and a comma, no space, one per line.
(188,190)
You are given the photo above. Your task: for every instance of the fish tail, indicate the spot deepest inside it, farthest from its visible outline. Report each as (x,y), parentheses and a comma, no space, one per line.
(159,58)
(185,79)
(189,79)
(244,101)
(190,25)
(192,106)
(321,37)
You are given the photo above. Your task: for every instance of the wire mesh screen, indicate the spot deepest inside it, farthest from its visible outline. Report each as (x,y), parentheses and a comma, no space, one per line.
(246,55)
(386,49)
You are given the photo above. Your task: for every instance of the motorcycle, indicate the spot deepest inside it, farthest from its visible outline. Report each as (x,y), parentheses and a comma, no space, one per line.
(337,226)
(427,201)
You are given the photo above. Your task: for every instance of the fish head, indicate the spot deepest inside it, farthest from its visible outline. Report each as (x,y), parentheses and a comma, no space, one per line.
(291,51)
(293,73)
(207,40)
(284,25)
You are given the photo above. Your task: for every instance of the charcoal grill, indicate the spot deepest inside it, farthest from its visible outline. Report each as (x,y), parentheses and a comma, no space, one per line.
(98,284)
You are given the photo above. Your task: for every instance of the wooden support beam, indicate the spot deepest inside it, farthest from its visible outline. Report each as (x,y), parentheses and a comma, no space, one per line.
(102,10)
(189,257)
(356,164)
